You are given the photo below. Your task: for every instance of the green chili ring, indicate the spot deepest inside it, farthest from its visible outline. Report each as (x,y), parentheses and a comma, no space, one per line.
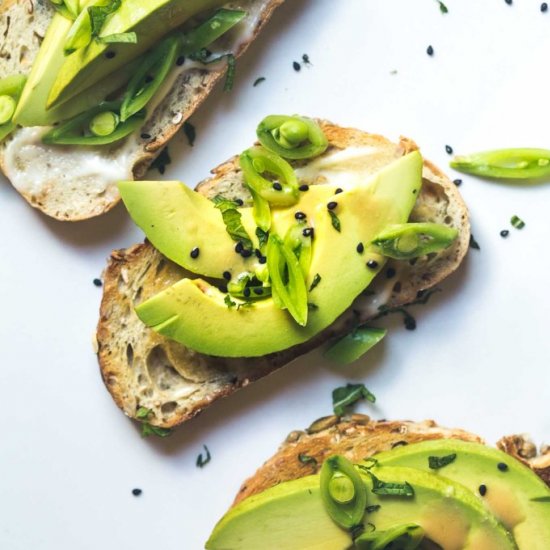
(411,240)
(344,501)
(76,130)
(405,537)
(293,138)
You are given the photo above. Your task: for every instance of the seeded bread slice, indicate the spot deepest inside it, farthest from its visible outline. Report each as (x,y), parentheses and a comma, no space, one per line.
(358,437)
(57,190)
(143,369)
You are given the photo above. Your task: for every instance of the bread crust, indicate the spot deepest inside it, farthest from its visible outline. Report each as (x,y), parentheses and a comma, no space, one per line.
(358,437)
(69,201)
(142,368)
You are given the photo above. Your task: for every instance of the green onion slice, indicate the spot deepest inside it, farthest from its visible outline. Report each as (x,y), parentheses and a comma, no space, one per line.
(301,245)
(351,347)
(518,163)
(292,137)
(104,124)
(343,492)
(405,537)
(411,240)
(11,88)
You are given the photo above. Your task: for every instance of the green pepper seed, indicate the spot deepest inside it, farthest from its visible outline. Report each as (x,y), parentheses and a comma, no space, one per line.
(294,132)
(341,489)
(104,124)
(7,108)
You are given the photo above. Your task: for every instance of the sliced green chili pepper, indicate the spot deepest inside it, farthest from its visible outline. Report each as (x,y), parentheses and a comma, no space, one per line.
(76,131)
(343,492)
(144,85)
(506,163)
(354,345)
(405,537)
(104,124)
(410,240)
(209,31)
(11,89)
(248,287)
(291,293)
(292,137)
(261,211)
(257,161)
(301,245)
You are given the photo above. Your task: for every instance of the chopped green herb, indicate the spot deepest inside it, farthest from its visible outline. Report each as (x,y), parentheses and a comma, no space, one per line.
(373,508)
(162,161)
(409,320)
(143,413)
(229,302)
(204,55)
(119,38)
(190,133)
(305,59)
(351,347)
(517,222)
(203,461)
(473,243)
(233,224)
(335,221)
(312,307)
(230,76)
(442,7)
(258,81)
(436,462)
(147,430)
(315,282)
(306,459)
(541,499)
(395,489)
(346,396)
(263,236)
(99,14)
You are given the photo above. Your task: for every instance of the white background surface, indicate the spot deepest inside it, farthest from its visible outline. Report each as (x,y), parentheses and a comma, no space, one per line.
(478,360)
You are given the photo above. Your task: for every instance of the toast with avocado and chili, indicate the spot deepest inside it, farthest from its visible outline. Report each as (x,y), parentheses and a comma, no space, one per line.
(232,284)
(91,91)
(357,483)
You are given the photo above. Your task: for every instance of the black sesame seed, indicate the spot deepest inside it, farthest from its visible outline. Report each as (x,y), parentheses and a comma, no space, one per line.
(245,253)
(360,248)
(304,187)
(227,275)
(277,186)
(502,467)
(263,260)
(258,291)
(305,59)
(195,253)
(110,55)
(544,7)
(239,247)
(149,79)
(509,2)
(483,490)
(390,273)
(372,264)
(300,216)
(449,149)
(457,182)
(180,60)
(308,232)
(145,136)
(410,323)
(97,282)
(332,205)
(246,293)
(239,202)
(296,66)
(136,492)
(430,50)
(504,233)
(223,289)
(338,191)
(258,253)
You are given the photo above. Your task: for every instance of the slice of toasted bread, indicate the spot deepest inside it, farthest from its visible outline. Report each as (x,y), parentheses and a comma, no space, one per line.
(58,188)
(358,437)
(143,369)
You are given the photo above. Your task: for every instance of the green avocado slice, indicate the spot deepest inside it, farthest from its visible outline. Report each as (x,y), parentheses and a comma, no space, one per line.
(509,487)
(149,19)
(194,313)
(290,516)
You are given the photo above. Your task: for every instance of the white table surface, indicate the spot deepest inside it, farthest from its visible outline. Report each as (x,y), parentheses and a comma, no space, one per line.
(479,358)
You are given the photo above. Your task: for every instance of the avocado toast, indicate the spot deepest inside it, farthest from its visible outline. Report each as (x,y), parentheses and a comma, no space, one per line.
(70,181)
(145,370)
(422,482)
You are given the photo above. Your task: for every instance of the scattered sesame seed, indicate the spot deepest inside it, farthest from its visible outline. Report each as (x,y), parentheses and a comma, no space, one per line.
(145,136)
(110,55)
(457,182)
(263,260)
(136,492)
(509,2)
(483,490)
(430,50)
(258,291)
(149,79)
(305,59)
(390,273)
(308,232)
(502,467)
(239,247)
(245,253)
(372,264)
(277,186)
(449,149)
(296,66)
(504,233)
(195,253)
(544,7)
(97,282)
(332,205)
(338,191)
(304,187)
(180,60)
(227,275)
(239,202)
(300,216)
(246,293)
(360,248)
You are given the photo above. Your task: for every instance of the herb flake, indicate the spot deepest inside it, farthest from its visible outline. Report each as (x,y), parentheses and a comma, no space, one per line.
(393,489)
(190,133)
(517,222)
(540,499)
(442,7)
(473,243)
(373,508)
(315,282)
(348,395)
(232,220)
(306,459)
(162,161)
(263,236)
(335,221)
(259,81)
(119,38)
(436,462)
(99,14)
(229,302)
(202,461)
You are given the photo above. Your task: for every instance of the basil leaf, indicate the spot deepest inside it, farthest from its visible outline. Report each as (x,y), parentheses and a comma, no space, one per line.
(203,461)
(315,282)
(335,221)
(394,489)
(229,302)
(348,395)
(99,14)
(147,430)
(232,219)
(263,236)
(436,462)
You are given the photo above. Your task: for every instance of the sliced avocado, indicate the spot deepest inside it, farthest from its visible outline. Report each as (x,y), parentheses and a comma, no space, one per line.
(149,19)
(290,516)
(194,313)
(508,486)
